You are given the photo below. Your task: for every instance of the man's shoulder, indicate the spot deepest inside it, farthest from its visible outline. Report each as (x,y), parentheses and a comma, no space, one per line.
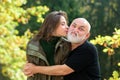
(90,45)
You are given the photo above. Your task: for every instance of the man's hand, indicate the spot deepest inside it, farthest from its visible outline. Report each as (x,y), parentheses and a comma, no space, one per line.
(29,69)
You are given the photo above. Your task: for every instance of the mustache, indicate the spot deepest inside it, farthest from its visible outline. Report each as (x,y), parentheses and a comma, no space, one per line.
(73,33)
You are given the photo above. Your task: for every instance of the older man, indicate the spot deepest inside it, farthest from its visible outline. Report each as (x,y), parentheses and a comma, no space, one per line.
(82,62)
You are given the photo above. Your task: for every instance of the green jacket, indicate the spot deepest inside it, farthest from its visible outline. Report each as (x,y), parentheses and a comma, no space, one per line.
(36,55)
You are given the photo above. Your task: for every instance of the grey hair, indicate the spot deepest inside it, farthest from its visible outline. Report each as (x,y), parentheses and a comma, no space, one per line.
(88,24)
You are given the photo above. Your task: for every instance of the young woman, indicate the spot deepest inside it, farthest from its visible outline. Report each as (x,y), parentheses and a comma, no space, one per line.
(47,47)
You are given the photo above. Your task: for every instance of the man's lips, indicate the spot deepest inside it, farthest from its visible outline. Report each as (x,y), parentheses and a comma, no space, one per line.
(73,33)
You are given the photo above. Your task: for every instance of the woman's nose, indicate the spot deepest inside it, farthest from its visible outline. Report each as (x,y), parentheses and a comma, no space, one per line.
(66,26)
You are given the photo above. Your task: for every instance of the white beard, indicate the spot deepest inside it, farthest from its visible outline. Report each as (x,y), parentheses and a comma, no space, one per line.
(74,37)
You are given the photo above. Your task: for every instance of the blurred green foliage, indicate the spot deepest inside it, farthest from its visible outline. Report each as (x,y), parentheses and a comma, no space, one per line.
(115,76)
(109,44)
(13,46)
(19,19)
(102,14)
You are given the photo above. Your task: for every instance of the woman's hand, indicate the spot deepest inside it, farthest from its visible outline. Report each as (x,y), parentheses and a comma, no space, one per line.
(29,69)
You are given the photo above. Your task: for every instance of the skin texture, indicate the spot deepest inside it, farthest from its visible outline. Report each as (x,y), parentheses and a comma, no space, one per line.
(79,27)
(62,28)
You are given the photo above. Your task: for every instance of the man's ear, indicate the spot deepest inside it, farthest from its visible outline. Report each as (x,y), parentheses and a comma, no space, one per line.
(88,35)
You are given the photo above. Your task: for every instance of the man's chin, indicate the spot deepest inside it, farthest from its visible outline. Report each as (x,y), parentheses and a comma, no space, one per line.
(74,41)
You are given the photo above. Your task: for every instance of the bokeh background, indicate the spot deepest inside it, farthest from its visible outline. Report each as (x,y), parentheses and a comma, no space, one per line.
(21,19)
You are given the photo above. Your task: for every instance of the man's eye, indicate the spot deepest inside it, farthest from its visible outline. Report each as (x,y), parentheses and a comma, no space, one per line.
(74,26)
(81,29)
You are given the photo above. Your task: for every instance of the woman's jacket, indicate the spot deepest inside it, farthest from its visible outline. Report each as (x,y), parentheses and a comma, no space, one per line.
(35,54)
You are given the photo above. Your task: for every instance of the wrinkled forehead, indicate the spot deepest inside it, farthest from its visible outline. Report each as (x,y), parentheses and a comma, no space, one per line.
(79,22)
(83,23)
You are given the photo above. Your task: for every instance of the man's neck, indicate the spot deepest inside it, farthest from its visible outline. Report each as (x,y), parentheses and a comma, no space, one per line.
(75,45)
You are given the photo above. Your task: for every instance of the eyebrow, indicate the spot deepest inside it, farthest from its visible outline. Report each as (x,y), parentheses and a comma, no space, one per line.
(74,23)
(80,26)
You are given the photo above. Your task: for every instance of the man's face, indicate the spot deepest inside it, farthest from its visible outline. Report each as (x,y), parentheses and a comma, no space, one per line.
(77,31)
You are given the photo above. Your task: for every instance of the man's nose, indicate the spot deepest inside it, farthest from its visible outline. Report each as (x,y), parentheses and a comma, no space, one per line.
(75,29)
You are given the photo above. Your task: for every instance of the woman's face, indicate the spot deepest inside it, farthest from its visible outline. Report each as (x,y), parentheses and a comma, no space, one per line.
(62,28)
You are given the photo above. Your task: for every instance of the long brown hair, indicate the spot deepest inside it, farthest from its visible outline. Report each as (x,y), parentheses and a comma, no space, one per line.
(50,24)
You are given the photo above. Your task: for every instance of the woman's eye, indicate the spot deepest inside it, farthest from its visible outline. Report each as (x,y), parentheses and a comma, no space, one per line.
(62,24)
